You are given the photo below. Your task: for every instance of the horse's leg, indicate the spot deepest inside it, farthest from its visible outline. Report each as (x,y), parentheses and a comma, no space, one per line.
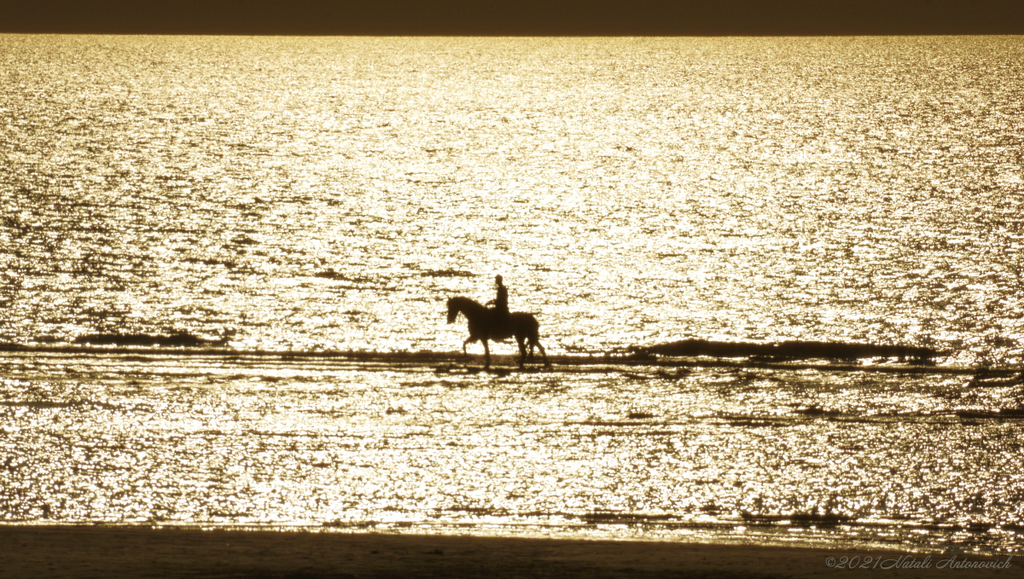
(487,354)
(543,354)
(521,340)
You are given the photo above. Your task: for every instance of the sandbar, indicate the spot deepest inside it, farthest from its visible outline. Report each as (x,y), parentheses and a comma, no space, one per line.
(114,552)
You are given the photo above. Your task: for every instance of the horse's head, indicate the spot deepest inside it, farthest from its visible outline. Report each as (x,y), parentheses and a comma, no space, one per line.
(453,311)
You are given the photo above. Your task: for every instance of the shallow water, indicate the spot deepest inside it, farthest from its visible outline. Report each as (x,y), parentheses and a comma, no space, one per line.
(761,454)
(326,194)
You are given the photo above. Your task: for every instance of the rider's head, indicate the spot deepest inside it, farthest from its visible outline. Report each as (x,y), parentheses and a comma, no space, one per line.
(497,279)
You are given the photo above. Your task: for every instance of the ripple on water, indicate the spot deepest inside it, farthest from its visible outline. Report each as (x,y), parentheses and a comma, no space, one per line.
(811,454)
(327,194)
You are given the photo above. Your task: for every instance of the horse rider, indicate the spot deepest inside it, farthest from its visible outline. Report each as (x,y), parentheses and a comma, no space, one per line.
(500,303)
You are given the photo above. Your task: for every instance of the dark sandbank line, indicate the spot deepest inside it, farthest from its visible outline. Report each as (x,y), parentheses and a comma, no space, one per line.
(794,355)
(789,350)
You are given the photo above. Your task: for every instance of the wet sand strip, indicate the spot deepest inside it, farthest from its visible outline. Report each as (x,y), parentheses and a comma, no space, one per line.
(122,552)
(448,361)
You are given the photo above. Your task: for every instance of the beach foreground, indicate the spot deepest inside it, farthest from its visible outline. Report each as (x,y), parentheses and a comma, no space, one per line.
(73,551)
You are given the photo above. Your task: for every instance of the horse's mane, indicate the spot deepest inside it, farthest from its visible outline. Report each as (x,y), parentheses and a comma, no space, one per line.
(464,301)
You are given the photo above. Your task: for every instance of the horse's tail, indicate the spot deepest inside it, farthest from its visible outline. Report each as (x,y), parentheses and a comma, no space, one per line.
(533,338)
(532,328)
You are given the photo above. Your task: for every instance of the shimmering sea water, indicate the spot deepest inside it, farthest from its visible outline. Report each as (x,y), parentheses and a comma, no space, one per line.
(290,199)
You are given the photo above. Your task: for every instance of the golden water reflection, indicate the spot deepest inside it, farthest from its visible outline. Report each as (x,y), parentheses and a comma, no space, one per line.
(843,457)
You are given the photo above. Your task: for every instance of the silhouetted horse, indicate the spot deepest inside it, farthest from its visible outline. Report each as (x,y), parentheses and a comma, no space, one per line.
(482,327)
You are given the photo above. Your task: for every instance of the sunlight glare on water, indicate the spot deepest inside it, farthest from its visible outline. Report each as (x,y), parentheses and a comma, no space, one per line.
(890,458)
(302,195)
(329,193)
